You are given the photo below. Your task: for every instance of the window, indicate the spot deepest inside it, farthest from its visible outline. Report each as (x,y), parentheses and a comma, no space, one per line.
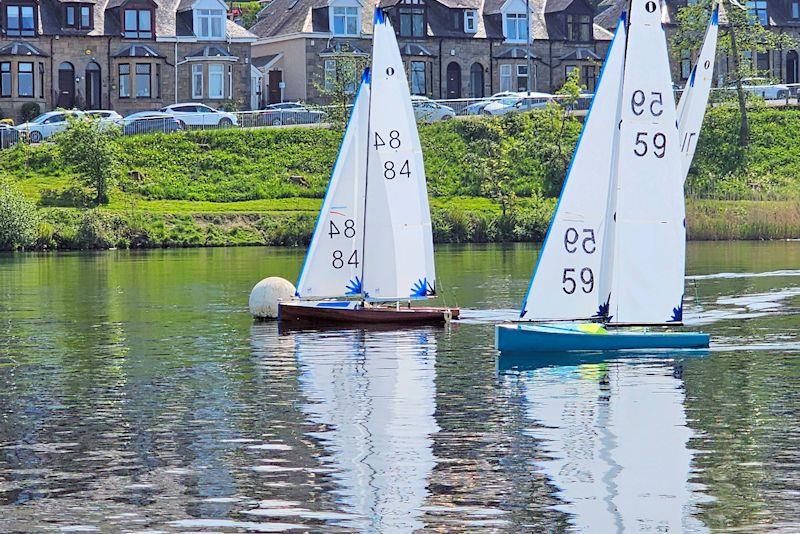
(138,24)
(470,21)
(20,20)
(210,23)
(757,9)
(5,78)
(346,21)
(25,79)
(579,28)
(216,81)
(69,17)
(412,22)
(796,9)
(86,17)
(330,74)
(346,74)
(418,85)
(124,80)
(522,78)
(505,78)
(78,16)
(762,62)
(197,81)
(143,85)
(516,27)
(589,76)
(686,64)
(41,80)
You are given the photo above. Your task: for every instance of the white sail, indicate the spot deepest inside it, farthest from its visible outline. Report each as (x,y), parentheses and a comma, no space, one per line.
(565,280)
(398,238)
(646,265)
(693,103)
(332,266)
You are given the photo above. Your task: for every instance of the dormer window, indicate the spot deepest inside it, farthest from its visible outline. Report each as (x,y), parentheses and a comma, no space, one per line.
(78,16)
(579,28)
(412,21)
(470,21)
(795,9)
(516,27)
(138,24)
(20,20)
(757,9)
(210,23)
(345,21)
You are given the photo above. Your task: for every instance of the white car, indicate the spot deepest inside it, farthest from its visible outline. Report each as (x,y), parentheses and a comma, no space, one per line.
(200,115)
(428,111)
(476,108)
(46,125)
(518,102)
(764,89)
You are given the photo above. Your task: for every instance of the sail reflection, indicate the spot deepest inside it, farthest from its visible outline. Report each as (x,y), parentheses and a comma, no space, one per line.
(614,441)
(373,396)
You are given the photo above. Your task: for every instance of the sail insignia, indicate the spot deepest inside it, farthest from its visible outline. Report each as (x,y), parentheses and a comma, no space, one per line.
(354,287)
(677,314)
(422,288)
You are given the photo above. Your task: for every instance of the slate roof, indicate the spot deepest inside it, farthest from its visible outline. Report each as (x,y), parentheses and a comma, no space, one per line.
(137,50)
(579,54)
(19,48)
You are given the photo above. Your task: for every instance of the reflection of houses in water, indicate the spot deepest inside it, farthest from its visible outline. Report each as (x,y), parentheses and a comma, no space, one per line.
(614,437)
(373,393)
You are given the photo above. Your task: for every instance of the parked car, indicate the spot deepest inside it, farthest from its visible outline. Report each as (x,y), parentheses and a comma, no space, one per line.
(149,122)
(8,135)
(200,115)
(289,113)
(105,115)
(761,87)
(519,102)
(46,125)
(426,110)
(477,108)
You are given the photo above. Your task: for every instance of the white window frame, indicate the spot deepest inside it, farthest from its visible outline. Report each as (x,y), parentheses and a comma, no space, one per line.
(470,21)
(209,23)
(520,23)
(506,80)
(345,10)
(330,74)
(214,70)
(414,77)
(197,80)
(518,75)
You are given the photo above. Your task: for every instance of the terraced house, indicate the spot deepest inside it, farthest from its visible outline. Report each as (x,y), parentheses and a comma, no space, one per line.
(126,55)
(451,48)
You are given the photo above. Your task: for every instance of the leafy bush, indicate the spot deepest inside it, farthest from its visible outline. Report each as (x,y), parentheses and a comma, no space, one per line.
(18,219)
(88,147)
(93,232)
(30,110)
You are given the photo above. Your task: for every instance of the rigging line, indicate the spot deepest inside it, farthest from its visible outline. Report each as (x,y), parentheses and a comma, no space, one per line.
(368,75)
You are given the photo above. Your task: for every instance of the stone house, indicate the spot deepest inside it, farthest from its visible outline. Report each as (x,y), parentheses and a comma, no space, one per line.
(452,48)
(126,55)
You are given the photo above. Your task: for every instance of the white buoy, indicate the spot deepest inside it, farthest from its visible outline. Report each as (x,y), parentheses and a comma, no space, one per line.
(266,295)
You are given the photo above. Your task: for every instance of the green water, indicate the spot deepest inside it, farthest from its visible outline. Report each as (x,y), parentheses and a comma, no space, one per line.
(136,394)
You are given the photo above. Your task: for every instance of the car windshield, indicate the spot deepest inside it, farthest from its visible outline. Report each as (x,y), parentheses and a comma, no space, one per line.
(41,118)
(509,101)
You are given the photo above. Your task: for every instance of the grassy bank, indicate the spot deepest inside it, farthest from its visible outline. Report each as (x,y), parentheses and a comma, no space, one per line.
(265,186)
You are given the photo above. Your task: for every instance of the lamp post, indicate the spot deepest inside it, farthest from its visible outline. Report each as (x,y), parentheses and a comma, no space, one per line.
(528,58)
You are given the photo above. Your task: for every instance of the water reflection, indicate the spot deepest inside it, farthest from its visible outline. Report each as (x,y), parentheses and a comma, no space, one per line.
(613,438)
(373,395)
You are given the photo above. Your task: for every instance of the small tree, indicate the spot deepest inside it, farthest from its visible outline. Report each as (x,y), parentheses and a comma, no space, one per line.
(741,36)
(18,218)
(340,86)
(88,147)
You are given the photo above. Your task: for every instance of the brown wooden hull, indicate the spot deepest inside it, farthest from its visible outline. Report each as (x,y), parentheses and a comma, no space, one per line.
(290,313)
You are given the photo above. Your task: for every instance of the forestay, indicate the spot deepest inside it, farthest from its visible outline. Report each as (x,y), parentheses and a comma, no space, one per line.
(646,284)
(564,283)
(398,237)
(333,263)
(693,103)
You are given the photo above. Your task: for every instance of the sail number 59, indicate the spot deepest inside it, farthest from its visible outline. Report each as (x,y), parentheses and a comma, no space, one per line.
(571,278)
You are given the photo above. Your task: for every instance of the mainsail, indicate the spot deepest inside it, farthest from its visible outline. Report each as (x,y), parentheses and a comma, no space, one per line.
(398,238)
(333,262)
(692,106)
(646,280)
(565,280)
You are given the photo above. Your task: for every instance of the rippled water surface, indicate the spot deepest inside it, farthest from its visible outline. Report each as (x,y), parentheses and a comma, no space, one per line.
(137,395)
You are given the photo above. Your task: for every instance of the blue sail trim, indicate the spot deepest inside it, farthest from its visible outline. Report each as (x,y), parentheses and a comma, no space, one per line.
(715,16)
(354,287)
(365,80)
(620,25)
(603,309)
(380,17)
(677,314)
(422,288)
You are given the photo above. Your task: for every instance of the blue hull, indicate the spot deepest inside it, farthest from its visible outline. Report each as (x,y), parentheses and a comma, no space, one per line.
(571,337)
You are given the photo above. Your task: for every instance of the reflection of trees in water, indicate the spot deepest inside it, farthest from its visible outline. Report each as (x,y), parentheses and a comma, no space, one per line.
(745,407)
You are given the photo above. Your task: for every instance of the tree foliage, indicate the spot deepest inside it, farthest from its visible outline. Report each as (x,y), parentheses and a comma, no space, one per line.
(88,147)
(18,219)
(340,86)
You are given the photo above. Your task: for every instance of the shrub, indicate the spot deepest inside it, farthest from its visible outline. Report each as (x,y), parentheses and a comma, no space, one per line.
(93,232)
(88,147)
(18,219)
(29,110)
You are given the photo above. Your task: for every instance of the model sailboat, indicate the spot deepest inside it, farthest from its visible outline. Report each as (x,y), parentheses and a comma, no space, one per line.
(614,254)
(373,242)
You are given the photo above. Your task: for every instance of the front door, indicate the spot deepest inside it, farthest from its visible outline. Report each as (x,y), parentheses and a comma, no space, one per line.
(275,79)
(66,86)
(453,80)
(93,86)
(476,80)
(791,66)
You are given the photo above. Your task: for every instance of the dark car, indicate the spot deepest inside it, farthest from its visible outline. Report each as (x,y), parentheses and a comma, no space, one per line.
(289,113)
(150,122)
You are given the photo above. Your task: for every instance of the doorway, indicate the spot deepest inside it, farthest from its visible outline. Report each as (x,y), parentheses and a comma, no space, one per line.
(274,80)
(791,66)
(66,85)
(453,80)
(476,80)
(93,86)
